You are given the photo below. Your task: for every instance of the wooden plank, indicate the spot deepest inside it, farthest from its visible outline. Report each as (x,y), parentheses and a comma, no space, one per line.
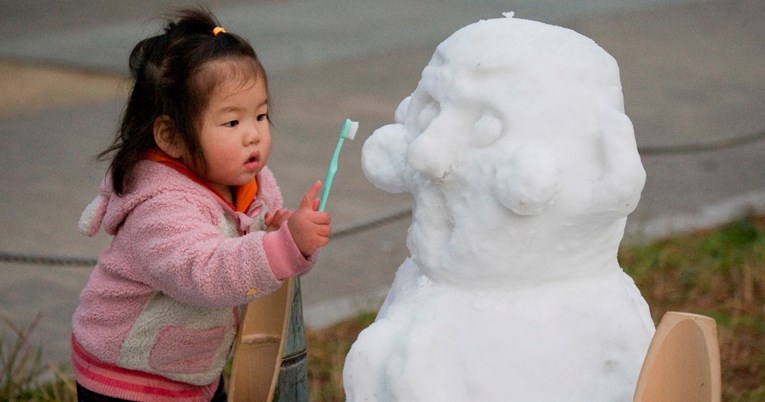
(259,346)
(683,361)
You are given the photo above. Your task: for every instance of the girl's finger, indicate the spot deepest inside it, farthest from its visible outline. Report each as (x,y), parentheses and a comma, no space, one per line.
(308,200)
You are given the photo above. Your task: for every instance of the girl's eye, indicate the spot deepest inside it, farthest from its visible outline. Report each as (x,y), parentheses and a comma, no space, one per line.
(232,123)
(262,117)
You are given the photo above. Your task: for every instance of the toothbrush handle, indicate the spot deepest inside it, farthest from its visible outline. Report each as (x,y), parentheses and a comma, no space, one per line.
(330,175)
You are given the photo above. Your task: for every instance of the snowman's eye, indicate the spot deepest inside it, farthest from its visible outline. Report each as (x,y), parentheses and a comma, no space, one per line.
(427,115)
(487,130)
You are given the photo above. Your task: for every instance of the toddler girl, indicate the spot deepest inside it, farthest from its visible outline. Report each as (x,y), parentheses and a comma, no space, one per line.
(196,216)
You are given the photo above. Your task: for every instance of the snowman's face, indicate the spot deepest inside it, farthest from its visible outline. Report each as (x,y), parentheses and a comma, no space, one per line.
(509,172)
(474,181)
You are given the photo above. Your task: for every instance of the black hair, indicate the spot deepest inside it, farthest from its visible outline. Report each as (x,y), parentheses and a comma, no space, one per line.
(170,79)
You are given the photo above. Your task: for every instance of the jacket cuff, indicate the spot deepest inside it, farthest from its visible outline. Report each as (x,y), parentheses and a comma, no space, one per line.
(283,255)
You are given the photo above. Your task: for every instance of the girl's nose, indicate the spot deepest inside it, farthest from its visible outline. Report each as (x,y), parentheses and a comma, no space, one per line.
(252,136)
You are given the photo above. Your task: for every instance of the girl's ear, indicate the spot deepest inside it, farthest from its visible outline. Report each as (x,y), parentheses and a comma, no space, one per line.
(164,136)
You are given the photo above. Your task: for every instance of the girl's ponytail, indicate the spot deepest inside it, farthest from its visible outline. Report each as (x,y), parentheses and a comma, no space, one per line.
(135,135)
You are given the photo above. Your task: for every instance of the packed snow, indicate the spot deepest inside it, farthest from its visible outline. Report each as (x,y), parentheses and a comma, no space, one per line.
(523,167)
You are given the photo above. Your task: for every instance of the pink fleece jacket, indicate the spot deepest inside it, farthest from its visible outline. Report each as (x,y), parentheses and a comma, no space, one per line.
(162,297)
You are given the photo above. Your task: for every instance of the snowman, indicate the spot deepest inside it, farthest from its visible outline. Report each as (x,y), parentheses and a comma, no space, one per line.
(522,167)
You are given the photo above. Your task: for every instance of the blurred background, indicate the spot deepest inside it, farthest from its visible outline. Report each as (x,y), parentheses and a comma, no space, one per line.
(692,77)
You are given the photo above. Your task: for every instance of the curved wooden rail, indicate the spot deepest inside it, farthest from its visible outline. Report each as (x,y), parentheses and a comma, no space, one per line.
(683,361)
(259,346)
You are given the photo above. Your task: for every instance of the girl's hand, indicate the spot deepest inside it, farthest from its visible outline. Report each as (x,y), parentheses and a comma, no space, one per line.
(274,220)
(309,227)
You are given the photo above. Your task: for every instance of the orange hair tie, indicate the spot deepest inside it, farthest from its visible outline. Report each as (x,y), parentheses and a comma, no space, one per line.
(218,30)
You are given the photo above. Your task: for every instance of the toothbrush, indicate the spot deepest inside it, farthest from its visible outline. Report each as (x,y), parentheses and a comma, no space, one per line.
(348,131)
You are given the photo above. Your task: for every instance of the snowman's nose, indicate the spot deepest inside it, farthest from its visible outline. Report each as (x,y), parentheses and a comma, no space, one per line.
(431,156)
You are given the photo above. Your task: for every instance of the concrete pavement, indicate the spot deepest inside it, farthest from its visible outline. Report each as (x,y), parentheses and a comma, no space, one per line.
(691,71)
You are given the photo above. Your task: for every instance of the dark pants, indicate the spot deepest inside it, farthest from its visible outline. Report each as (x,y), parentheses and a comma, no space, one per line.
(86,395)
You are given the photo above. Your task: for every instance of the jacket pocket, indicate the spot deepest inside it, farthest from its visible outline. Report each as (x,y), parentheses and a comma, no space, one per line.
(185,351)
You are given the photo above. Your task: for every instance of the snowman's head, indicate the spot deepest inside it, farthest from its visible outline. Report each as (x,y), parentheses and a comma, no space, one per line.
(518,154)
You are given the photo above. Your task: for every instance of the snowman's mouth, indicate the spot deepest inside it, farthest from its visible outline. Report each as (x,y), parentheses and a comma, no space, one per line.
(444,177)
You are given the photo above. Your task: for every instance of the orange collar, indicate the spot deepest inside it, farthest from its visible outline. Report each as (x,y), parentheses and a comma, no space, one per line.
(244,194)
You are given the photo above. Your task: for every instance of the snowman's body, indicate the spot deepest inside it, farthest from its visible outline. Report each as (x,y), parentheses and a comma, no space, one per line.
(523,167)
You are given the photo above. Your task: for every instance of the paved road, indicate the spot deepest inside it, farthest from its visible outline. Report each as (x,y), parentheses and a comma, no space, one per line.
(692,81)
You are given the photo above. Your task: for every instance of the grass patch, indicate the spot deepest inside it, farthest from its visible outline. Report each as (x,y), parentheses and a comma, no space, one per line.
(327,349)
(23,373)
(719,273)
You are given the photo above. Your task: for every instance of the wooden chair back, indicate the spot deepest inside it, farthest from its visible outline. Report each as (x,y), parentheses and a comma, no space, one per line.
(259,346)
(683,361)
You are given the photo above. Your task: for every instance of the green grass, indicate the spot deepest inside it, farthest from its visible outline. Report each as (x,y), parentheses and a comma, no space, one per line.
(719,273)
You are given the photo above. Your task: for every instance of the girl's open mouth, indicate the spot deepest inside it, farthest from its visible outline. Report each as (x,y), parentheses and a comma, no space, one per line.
(252,162)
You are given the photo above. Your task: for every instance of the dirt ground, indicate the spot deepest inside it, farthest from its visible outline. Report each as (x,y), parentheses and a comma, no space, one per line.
(27,88)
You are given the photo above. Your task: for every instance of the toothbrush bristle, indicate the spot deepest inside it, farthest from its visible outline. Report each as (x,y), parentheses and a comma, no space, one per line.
(352,130)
